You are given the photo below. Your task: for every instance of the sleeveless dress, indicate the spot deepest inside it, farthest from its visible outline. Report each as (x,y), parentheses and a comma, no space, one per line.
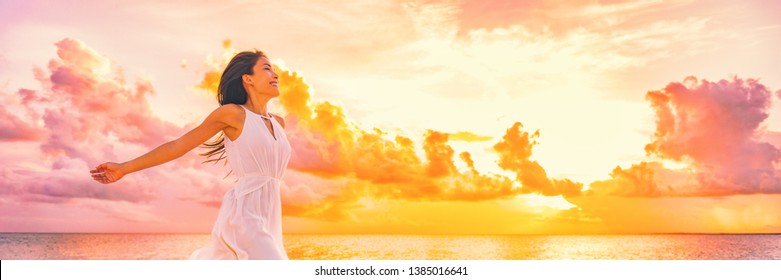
(249,222)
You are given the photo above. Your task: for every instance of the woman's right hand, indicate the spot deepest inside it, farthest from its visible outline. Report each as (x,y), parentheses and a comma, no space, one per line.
(107,173)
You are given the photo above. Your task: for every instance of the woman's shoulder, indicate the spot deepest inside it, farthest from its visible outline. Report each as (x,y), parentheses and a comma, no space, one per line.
(230,110)
(231,114)
(231,107)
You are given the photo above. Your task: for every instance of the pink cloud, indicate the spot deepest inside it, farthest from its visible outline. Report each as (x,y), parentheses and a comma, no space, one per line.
(84,114)
(92,105)
(772,137)
(65,180)
(716,126)
(12,128)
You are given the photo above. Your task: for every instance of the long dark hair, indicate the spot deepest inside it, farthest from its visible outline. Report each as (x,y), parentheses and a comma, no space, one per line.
(231,91)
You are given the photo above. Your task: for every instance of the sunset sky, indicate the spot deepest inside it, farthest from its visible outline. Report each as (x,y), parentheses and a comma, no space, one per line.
(408,117)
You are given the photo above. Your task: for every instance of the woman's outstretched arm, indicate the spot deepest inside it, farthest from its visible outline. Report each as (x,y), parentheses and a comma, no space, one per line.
(218,120)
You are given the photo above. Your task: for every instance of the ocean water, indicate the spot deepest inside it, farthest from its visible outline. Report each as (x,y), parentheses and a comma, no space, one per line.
(405,247)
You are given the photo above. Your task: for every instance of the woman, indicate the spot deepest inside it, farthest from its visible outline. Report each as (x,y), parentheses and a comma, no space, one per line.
(249,223)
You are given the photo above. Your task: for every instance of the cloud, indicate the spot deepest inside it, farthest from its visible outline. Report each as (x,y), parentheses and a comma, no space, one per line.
(468,137)
(714,132)
(17,119)
(343,163)
(327,144)
(85,105)
(439,154)
(716,127)
(638,180)
(85,114)
(515,150)
(13,128)
(65,180)
(772,137)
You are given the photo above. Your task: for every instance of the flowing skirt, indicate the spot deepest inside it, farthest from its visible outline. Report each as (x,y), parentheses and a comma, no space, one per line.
(249,223)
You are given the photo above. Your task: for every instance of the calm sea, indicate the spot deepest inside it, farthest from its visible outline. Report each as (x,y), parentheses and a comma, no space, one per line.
(404,247)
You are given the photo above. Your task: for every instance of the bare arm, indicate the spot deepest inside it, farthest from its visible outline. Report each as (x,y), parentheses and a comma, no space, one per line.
(110,172)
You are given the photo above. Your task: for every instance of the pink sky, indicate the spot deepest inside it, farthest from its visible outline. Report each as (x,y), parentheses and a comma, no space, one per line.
(549,116)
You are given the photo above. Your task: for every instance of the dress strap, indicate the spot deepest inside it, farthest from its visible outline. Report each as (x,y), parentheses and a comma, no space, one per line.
(262,116)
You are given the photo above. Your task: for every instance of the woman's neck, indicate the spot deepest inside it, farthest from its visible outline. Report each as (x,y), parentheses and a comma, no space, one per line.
(259,107)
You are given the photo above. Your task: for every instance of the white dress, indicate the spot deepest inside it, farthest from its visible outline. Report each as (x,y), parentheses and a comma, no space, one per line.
(249,223)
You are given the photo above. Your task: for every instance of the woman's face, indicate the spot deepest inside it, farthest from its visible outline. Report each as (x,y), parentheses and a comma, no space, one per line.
(264,80)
